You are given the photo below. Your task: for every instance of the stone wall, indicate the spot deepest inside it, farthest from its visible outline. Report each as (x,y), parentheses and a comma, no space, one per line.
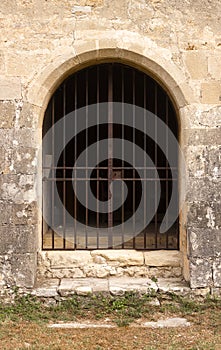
(106,263)
(177,42)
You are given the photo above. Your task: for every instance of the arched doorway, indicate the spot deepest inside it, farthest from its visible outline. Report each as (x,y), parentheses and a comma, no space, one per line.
(69,223)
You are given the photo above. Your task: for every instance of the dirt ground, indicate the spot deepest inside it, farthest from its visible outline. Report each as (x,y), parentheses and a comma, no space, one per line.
(29,335)
(24,325)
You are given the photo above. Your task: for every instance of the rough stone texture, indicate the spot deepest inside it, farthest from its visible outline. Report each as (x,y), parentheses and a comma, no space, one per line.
(162,258)
(103,264)
(168,323)
(120,258)
(179,43)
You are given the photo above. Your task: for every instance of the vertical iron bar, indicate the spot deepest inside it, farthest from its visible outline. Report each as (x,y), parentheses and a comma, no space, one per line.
(167,164)
(145,165)
(53,183)
(110,154)
(134,160)
(98,171)
(122,211)
(155,156)
(75,158)
(86,146)
(64,172)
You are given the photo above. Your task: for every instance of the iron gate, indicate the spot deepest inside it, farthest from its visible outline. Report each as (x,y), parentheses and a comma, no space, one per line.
(74,225)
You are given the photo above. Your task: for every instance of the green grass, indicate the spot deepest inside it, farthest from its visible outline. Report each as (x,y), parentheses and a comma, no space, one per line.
(121,309)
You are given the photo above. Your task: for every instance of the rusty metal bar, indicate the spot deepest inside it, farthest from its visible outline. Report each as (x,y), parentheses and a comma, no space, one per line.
(64,164)
(145,165)
(134,160)
(122,162)
(98,171)
(155,161)
(86,170)
(53,172)
(75,158)
(110,153)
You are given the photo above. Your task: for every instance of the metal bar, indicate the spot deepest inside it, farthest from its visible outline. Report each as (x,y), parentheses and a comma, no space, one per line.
(53,173)
(103,179)
(122,135)
(98,172)
(110,153)
(114,167)
(167,190)
(134,160)
(64,163)
(86,170)
(75,158)
(155,161)
(145,151)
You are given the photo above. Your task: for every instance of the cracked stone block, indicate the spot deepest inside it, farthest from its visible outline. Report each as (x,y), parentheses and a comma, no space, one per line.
(200,273)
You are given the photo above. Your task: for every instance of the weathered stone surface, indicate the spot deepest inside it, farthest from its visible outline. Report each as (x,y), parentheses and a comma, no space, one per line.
(18,269)
(120,257)
(68,259)
(118,286)
(196,62)
(211,92)
(205,242)
(7,114)
(214,65)
(47,289)
(18,239)
(170,322)
(72,286)
(10,88)
(172,285)
(217,272)
(162,258)
(200,273)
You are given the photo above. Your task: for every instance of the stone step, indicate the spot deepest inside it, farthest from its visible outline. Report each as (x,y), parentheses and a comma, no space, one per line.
(113,285)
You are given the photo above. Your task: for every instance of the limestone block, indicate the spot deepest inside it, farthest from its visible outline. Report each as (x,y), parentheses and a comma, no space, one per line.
(204,242)
(162,258)
(2,61)
(10,88)
(7,114)
(70,286)
(203,190)
(96,270)
(23,160)
(196,62)
(197,137)
(200,273)
(204,215)
(211,92)
(119,286)
(46,289)
(83,290)
(20,269)
(217,272)
(172,285)
(214,65)
(69,259)
(120,257)
(18,188)
(19,239)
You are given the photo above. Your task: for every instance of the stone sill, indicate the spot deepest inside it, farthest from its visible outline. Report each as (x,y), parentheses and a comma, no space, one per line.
(122,258)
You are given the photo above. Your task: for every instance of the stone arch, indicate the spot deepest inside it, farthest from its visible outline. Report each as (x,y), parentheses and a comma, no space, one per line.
(164,71)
